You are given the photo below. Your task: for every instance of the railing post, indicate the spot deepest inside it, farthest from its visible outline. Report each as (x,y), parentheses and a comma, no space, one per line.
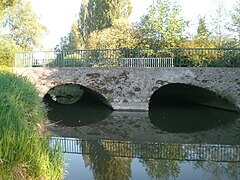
(177,57)
(31,59)
(62,61)
(15,59)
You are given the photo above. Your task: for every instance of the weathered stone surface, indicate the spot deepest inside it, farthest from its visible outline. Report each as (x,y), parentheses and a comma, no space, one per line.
(132,88)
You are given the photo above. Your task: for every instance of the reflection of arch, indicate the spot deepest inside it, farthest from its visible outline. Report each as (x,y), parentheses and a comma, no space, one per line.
(179,93)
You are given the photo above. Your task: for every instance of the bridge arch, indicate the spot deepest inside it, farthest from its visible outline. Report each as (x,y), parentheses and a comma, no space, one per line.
(75,105)
(181,93)
(175,108)
(68,93)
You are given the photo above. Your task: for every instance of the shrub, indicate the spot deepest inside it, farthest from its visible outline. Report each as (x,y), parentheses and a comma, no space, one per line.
(7,50)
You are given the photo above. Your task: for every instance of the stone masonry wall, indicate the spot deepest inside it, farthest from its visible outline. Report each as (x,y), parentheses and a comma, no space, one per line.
(131,88)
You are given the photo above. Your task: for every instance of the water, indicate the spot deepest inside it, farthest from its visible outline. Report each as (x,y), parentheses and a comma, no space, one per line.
(173,142)
(136,169)
(108,159)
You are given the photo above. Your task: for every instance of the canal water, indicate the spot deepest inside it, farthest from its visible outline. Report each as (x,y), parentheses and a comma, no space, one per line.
(169,142)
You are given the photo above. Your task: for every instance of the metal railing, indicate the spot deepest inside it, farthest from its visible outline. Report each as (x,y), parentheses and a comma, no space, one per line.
(146,62)
(172,57)
(180,152)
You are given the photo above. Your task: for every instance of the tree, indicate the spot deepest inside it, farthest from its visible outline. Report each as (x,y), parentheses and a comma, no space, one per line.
(75,41)
(3,5)
(22,26)
(93,16)
(120,35)
(162,26)
(235,16)
(119,9)
(6,3)
(82,22)
(72,41)
(103,162)
(202,30)
(164,168)
(96,15)
(202,38)
(219,24)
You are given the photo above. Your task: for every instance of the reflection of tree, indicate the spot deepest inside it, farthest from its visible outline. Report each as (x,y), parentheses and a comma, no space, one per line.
(161,169)
(102,162)
(165,167)
(161,161)
(219,170)
(109,167)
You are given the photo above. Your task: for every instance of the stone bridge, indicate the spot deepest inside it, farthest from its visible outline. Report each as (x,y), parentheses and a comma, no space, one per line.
(133,88)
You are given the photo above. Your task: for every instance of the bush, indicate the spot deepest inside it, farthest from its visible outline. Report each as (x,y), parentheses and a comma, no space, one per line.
(5,69)
(7,50)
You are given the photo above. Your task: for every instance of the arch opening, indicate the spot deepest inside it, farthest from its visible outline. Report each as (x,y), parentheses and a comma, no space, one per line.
(76,105)
(187,108)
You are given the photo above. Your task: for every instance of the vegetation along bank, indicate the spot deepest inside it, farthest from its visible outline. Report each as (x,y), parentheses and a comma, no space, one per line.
(25,152)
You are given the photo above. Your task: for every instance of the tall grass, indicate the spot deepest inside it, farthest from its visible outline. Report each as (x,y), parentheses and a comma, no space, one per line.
(25,152)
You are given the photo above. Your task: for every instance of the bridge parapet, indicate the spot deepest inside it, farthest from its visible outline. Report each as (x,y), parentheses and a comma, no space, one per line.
(162,57)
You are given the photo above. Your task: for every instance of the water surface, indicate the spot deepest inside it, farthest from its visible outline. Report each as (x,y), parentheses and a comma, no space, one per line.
(107,159)
(171,142)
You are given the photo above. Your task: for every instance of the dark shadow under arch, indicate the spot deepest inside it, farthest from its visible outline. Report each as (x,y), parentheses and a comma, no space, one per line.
(90,106)
(179,93)
(187,108)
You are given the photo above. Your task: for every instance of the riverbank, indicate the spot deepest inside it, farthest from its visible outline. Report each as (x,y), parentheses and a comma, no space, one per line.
(25,152)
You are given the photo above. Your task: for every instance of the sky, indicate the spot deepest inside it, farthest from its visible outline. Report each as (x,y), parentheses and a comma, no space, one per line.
(58,15)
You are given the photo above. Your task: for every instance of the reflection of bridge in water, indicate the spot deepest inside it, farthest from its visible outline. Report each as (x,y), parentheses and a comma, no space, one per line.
(179,152)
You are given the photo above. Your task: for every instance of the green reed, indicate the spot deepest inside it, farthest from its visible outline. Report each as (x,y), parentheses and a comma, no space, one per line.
(25,152)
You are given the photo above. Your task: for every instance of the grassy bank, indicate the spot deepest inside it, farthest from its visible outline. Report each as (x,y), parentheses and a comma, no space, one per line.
(24,150)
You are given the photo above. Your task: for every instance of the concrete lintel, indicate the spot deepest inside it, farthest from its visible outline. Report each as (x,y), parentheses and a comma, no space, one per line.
(132,106)
(238,105)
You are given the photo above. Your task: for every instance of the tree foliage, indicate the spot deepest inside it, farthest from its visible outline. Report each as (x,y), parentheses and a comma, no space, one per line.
(235,16)
(219,24)
(7,50)
(22,25)
(96,18)
(202,39)
(19,30)
(82,21)
(119,9)
(96,15)
(6,3)
(74,37)
(162,26)
(120,35)
(104,165)
(202,29)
